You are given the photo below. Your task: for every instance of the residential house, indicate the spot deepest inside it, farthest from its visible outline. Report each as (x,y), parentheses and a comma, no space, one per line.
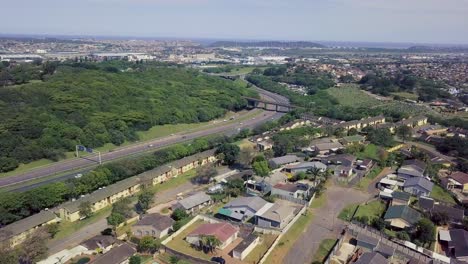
(418,186)
(224,232)
(456,242)
(411,168)
(327,148)
(99,244)
(367,242)
(390,182)
(426,203)
(117,255)
(401,216)
(245,247)
(100,199)
(400,198)
(343,171)
(243,208)
(264,184)
(304,167)
(371,258)
(274,216)
(341,159)
(17,232)
(353,139)
(194,203)
(283,160)
(295,190)
(458,181)
(454,215)
(364,164)
(155,225)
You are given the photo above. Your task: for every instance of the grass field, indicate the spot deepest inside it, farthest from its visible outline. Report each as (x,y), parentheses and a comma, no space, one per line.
(179,244)
(442,195)
(325,247)
(406,95)
(257,253)
(371,210)
(364,182)
(174,182)
(369,152)
(351,95)
(347,212)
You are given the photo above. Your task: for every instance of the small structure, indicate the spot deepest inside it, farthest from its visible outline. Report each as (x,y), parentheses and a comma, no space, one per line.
(117,255)
(353,139)
(327,148)
(243,208)
(367,242)
(276,216)
(364,164)
(283,160)
(155,225)
(245,247)
(341,159)
(264,145)
(264,184)
(458,181)
(426,203)
(401,216)
(194,202)
(418,186)
(99,243)
(224,232)
(295,190)
(390,182)
(400,198)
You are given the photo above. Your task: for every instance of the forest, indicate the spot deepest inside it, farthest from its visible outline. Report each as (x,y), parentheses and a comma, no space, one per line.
(46,109)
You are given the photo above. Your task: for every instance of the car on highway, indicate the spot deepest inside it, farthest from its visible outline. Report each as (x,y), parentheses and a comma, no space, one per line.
(150,145)
(79,175)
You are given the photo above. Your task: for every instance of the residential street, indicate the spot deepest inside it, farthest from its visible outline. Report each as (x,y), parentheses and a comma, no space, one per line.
(161,200)
(325,223)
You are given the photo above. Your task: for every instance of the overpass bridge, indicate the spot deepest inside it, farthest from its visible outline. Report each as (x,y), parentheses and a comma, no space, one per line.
(269,105)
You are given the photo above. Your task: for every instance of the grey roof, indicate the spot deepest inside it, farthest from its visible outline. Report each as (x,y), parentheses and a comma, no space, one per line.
(284,160)
(116,255)
(102,194)
(158,221)
(273,179)
(419,181)
(98,241)
(385,250)
(404,212)
(292,187)
(367,239)
(308,165)
(410,171)
(453,213)
(194,200)
(372,258)
(328,146)
(343,159)
(415,164)
(196,157)
(255,203)
(150,175)
(401,196)
(245,243)
(276,211)
(426,203)
(459,242)
(26,224)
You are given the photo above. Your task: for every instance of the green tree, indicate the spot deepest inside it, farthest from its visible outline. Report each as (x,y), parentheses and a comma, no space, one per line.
(245,157)
(115,219)
(135,259)
(8,164)
(148,244)
(123,207)
(85,209)
(352,132)
(230,151)
(53,229)
(145,199)
(261,168)
(179,214)
(404,132)
(425,230)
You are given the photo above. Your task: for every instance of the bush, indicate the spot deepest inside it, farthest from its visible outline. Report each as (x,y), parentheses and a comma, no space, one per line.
(83,260)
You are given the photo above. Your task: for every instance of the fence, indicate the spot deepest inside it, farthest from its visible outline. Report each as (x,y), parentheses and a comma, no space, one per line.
(181,255)
(291,199)
(334,249)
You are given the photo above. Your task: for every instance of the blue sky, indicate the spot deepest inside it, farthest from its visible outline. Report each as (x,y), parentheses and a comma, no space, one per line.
(418,21)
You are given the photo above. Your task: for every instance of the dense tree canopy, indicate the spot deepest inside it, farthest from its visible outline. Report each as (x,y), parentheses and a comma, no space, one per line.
(90,104)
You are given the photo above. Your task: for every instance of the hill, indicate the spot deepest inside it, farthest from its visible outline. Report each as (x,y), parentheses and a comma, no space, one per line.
(93,104)
(268,44)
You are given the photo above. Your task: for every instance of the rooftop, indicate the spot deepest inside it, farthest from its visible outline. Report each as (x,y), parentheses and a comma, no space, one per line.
(254,202)
(460,177)
(222,231)
(401,196)
(291,187)
(404,212)
(116,255)
(284,159)
(419,181)
(26,224)
(245,243)
(372,258)
(194,200)
(158,221)
(98,241)
(277,212)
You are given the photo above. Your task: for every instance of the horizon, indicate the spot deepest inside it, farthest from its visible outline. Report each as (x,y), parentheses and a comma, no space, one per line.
(376,21)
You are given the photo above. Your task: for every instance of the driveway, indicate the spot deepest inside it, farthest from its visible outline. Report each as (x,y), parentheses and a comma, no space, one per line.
(325,223)
(371,189)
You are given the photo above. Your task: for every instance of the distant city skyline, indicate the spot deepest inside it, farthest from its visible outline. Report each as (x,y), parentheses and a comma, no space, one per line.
(396,21)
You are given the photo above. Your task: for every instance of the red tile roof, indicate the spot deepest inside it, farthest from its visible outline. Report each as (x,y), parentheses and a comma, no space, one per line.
(460,177)
(222,231)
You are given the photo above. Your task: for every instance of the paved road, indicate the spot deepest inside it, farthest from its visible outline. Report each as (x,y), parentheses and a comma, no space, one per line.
(161,198)
(431,149)
(76,163)
(325,223)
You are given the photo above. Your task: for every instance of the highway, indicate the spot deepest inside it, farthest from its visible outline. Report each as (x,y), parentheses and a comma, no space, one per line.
(228,128)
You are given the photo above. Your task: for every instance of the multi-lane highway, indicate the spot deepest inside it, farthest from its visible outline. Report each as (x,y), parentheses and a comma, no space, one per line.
(80,163)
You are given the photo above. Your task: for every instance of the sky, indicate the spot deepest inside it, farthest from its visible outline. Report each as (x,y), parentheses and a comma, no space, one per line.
(410,21)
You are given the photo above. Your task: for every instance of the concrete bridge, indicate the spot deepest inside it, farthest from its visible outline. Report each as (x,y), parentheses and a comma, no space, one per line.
(268,105)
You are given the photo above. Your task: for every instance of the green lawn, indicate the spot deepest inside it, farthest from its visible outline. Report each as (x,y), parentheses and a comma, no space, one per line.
(372,210)
(257,253)
(174,182)
(351,95)
(67,228)
(347,212)
(325,247)
(440,194)
(370,152)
